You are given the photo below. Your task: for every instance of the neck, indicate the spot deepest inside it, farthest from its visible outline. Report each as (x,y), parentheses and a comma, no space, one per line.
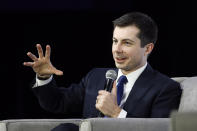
(125,72)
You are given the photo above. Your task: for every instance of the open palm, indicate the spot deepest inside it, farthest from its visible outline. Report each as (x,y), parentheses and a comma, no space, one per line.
(42,65)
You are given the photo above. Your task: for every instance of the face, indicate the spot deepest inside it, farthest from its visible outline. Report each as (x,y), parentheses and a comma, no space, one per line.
(126,49)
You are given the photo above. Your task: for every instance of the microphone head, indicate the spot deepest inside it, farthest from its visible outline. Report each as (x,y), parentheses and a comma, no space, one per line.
(111,74)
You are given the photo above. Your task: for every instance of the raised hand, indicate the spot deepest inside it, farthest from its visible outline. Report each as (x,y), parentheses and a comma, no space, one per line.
(42,66)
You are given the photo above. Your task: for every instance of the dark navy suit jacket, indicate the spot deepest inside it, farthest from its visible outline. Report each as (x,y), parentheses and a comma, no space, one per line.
(153,95)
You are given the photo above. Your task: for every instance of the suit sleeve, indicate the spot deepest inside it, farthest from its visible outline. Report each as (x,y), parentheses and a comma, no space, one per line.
(167,100)
(62,100)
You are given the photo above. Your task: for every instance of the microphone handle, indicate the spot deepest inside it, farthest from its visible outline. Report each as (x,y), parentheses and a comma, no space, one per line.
(109,85)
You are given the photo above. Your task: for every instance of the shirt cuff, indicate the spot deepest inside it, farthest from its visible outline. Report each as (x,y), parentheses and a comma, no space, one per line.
(42,82)
(122,114)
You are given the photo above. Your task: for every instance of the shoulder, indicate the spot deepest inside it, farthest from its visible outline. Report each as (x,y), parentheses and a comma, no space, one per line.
(165,84)
(161,83)
(164,78)
(159,78)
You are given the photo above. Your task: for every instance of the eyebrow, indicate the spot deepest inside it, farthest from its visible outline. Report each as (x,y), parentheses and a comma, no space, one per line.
(128,40)
(125,39)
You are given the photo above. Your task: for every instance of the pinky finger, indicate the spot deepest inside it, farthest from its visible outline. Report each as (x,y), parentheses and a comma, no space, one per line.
(28,64)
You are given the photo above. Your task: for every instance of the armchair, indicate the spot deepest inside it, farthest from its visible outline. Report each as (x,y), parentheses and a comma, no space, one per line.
(185,118)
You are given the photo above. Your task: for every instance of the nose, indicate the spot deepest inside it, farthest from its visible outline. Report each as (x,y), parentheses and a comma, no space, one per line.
(117,47)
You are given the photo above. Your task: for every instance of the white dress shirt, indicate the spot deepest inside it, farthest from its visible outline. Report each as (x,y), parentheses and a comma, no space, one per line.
(131,77)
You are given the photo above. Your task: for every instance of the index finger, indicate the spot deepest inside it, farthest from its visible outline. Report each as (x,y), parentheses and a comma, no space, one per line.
(100,92)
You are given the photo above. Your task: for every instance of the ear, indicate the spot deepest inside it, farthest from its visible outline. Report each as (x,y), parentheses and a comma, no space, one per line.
(148,48)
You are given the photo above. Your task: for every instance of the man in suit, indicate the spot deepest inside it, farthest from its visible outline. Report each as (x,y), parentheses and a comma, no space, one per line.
(146,92)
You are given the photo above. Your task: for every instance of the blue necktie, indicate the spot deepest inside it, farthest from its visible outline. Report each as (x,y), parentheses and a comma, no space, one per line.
(120,87)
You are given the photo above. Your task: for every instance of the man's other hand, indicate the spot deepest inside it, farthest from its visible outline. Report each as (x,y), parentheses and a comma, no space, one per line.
(106,103)
(42,66)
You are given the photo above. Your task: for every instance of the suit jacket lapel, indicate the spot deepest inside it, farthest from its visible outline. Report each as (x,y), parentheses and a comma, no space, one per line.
(140,87)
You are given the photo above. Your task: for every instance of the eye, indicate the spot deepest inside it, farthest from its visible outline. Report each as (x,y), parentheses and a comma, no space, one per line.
(127,43)
(114,41)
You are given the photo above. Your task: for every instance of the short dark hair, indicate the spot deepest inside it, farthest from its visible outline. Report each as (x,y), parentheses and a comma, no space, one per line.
(147,26)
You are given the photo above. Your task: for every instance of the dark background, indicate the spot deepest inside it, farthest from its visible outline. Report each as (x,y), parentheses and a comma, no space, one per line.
(80,34)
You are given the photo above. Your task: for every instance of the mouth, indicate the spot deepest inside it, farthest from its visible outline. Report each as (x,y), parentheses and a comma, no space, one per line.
(120,60)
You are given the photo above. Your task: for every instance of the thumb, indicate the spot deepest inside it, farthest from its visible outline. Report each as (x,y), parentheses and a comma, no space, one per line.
(114,88)
(58,72)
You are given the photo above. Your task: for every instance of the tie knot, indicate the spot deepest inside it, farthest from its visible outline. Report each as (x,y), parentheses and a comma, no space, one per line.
(122,79)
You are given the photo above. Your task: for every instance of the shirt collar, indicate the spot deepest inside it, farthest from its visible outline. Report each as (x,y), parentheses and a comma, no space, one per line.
(131,77)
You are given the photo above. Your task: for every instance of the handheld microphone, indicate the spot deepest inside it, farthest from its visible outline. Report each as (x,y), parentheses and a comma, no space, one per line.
(111,76)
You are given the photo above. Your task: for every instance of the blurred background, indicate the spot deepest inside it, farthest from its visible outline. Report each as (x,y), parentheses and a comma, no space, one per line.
(80,34)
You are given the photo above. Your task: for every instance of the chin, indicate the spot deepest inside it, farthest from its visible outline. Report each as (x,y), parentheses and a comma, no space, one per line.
(120,66)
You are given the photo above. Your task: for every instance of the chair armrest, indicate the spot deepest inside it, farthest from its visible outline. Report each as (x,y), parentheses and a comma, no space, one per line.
(128,124)
(34,124)
(184,121)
